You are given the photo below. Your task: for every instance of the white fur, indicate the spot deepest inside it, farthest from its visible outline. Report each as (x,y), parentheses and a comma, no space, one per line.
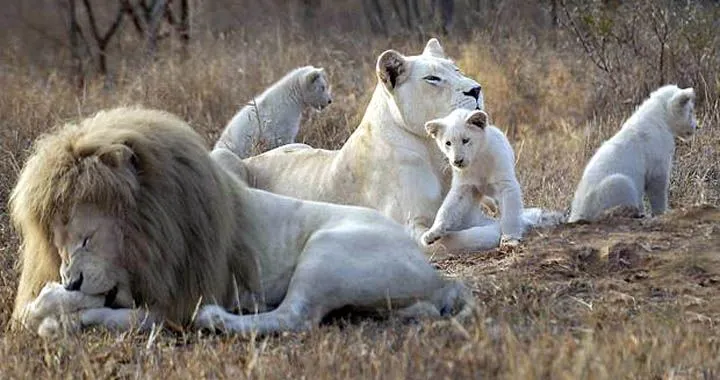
(483,163)
(389,163)
(312,258)
(279,109)
(638,159)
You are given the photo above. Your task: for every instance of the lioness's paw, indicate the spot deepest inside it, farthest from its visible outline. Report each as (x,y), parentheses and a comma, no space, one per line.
(431,237)
(210,317)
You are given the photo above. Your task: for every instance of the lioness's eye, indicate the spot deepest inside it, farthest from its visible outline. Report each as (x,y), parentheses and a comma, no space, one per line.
(465,141)
(448,143)
(432,78)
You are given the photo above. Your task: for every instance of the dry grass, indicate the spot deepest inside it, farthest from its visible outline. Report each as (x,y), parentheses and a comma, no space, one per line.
(621,299)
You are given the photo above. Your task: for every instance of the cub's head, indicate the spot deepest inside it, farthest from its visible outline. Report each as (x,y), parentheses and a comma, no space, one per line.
(459,135)
(317,88)
(681,112)
(426,86)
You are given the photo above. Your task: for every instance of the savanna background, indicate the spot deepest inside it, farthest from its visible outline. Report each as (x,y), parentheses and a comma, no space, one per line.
(622,298)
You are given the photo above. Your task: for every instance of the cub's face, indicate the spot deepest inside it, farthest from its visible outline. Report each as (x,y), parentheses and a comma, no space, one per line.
(90,247)
(681,113)
(459,136)
(318,93)
(426,86)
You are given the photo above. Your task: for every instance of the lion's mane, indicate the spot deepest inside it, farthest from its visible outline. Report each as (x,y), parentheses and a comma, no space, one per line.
(182,238)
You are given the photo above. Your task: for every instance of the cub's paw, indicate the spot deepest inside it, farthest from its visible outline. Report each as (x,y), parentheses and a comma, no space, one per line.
(431,236)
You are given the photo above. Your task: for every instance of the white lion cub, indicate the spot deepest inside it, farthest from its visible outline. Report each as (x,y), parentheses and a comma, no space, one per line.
(483,164)
(638,159)
(273,118)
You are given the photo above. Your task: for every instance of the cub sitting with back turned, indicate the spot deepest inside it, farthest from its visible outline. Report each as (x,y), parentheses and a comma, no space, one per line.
(638,159)
(483,164)
(273,118)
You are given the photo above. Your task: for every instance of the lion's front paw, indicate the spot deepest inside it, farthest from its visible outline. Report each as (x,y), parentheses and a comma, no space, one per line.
(432,236)
(210,317)
(55,327)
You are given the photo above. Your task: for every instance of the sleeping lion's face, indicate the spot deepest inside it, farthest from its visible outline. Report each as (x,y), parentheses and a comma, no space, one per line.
(90,245)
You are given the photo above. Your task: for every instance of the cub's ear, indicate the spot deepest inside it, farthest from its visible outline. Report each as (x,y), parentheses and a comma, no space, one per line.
(314,75)
(118,156)
(433,127)
(478,119)
(683,97)
(391,68)
(433,49)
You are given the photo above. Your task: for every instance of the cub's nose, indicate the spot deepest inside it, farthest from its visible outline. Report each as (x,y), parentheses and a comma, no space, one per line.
(459,162)
(74,283)
(474,92)
(329,101)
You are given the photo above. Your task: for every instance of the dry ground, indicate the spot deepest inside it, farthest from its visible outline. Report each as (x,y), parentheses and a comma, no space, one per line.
(623,298)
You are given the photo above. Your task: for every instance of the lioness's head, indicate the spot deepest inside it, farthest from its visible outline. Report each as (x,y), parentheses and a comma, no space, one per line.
(459,135)
(317,88)
(426,86)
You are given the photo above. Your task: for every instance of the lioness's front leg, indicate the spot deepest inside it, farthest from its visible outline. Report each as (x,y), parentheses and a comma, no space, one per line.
(458,201)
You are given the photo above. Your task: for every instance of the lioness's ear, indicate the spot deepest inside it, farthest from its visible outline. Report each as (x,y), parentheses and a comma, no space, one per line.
(433,127)
(391,67)
(117,156)
(477,119)
(433,49)
(682,98)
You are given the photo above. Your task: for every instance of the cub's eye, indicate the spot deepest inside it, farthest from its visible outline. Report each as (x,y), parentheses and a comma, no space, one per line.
(448,143)
(465,141)
(85,242)
(432,78)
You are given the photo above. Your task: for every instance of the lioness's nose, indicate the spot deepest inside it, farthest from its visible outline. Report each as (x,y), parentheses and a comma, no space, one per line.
(458,162)
(75,283)
(474,92)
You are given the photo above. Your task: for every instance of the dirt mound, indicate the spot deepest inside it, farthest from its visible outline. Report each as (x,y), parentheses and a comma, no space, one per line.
(620,263)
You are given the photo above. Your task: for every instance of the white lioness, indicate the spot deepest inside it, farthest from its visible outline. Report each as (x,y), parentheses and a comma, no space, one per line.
(273,118)
(128,210)
(389,163)
(638,159)
(483,163)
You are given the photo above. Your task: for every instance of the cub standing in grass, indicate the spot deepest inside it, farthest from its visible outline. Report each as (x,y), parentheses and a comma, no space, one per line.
(638,158)
(273,118)
(483,163)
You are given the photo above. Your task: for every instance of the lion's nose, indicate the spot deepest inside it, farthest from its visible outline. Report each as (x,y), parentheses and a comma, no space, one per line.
(458,162)
(474,92)
(75,283)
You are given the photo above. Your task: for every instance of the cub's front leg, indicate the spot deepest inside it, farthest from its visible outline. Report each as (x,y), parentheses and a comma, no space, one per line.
(459,200)
(511,206)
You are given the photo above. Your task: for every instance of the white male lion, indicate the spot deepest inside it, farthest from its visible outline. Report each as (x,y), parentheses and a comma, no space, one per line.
(128,210)
(483,163)
(273,118)
(389,163)
(638,159)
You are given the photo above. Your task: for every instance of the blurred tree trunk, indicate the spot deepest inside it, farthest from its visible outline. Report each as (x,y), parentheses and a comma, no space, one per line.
(157,11)
(376,17)
(103,39)
(78,72)
(445,9)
